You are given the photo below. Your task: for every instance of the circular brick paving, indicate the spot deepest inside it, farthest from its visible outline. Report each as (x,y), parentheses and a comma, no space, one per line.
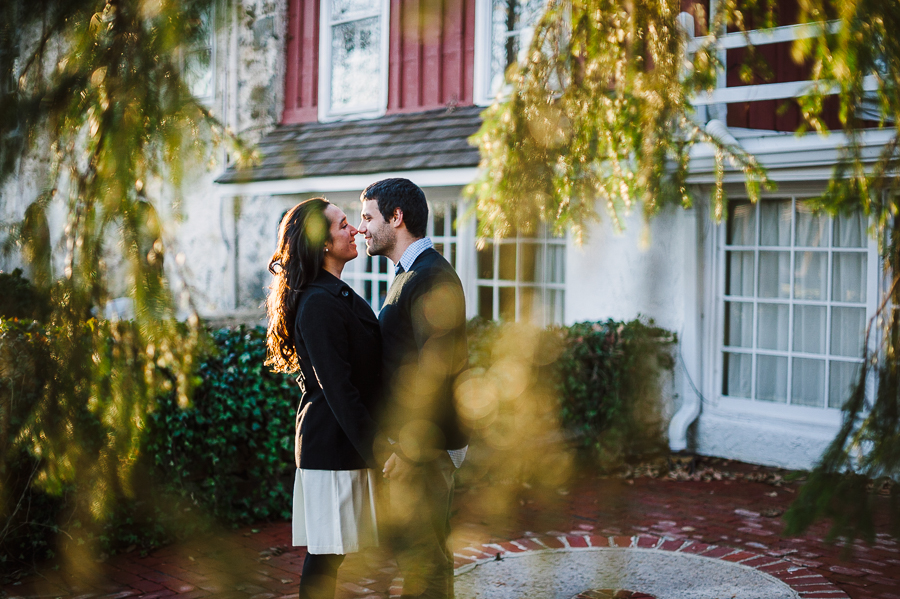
(654,566)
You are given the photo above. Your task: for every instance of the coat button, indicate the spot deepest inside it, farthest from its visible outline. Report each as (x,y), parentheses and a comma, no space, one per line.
(345,293)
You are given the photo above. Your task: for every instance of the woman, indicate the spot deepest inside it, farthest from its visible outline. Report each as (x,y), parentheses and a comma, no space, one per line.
(321,328)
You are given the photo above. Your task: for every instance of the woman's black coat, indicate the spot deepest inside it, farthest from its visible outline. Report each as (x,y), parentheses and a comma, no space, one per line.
(338,341)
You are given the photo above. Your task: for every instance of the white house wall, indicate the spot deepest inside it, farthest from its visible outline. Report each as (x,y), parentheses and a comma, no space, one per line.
(638,272)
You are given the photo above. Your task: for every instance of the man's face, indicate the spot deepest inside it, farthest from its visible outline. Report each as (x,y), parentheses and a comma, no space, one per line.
(380,235)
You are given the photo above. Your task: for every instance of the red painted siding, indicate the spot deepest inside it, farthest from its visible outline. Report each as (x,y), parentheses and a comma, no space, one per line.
(432,54)
(301,77)
(776,66)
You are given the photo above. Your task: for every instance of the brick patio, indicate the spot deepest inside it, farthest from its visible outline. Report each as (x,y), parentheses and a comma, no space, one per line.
(734,520)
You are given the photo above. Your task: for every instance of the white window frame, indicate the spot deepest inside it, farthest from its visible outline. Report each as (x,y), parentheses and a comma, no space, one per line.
(540,313)
(376,271)
(484,52)
(823,416)
(377,108)
(206,99)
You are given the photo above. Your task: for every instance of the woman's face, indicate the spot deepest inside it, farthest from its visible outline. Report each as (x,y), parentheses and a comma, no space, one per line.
(342,245)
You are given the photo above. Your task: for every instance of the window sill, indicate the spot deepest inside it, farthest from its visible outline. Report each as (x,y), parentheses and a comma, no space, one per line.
(776,412)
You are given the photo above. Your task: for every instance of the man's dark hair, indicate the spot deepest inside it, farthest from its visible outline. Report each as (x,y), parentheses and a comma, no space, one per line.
(402,194)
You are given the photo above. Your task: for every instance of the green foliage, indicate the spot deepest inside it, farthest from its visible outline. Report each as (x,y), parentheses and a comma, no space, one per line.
(482,335)
(232,450)
(609,388)
(20,299)
(599,119)
(92,95)
(28,515)
(226,458)
(605,377)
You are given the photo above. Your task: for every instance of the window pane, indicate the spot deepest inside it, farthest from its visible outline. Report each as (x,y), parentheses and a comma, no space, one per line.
(811,228)
(529,258)
(486,262)
(741,223)
(848,277)
(771,378)
(486,302)
(382,292)
(355,67)
(773,326)
(198,72)
(439,221)
(809,329)
(509,18)
(453,217)
(554,265)
(382,264)
(775,274)
(507,303)
(342,8)
(775,223)
(842,379)
(507,262)
(452,257)
(739,274)
(737,375)
(850,230)
(554,306)
(528,300)
(739,324)
(808,385)
(848,329)
(439,248)
(810,275)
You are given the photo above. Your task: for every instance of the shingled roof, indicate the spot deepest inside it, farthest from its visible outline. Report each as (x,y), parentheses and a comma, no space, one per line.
(424,140)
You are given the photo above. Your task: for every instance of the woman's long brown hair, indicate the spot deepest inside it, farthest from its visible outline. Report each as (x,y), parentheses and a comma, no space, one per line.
(295,264)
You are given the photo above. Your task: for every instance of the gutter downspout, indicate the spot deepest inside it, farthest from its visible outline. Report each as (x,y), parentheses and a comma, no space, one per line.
(692,334)
(689,346)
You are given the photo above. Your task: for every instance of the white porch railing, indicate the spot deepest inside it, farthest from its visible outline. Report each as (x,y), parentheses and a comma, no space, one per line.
(766,91)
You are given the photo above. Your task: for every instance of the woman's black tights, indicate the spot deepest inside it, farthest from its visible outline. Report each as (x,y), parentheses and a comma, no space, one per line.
(319,576)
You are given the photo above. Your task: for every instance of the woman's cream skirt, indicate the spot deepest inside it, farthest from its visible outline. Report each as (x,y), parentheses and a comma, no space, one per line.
(334,510)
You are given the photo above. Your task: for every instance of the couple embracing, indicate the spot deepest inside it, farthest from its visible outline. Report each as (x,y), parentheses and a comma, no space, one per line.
(377,392)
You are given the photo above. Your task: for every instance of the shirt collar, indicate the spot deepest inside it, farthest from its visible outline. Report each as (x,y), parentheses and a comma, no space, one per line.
(413,252)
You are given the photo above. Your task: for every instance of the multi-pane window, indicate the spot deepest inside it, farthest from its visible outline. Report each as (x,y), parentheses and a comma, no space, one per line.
(354,51)
(522,278)
(795,303)
(370,276)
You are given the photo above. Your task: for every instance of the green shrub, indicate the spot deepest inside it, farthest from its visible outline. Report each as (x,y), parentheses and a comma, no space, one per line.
(229,455)
(20,299)
(608,382)
(232,450)
(28,515)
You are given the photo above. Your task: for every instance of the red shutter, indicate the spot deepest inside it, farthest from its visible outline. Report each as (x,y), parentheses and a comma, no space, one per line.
(301,76)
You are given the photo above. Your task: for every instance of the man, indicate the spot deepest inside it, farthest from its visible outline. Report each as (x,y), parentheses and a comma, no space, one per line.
(423,327)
